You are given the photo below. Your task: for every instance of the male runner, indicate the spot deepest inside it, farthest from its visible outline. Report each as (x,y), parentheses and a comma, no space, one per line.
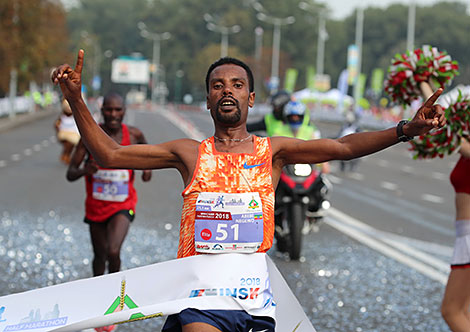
(110,194)
(231,163)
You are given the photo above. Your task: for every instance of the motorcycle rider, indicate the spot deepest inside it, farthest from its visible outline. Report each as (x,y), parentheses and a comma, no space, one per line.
(296,123)
(271,122)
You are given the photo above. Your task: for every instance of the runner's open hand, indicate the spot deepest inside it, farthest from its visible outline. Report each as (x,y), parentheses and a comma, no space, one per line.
(428,116)
(70,80)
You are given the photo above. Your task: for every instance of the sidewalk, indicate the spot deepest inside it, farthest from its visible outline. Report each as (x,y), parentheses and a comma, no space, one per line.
(7,123)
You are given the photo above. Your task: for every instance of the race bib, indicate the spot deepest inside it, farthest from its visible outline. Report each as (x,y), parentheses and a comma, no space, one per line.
(228,222)
(111,185)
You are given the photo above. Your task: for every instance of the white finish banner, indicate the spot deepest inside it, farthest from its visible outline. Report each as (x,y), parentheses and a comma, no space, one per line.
(227,281)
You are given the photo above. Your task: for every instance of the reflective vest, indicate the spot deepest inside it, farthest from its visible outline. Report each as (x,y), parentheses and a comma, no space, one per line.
(272,124)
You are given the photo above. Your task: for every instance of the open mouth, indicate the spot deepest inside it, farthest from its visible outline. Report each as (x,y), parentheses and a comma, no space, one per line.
(227,103)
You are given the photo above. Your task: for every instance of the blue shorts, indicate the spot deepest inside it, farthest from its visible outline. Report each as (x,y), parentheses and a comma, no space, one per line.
(224,320)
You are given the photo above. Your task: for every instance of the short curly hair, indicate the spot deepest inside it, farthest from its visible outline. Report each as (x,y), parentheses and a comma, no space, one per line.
(233,61)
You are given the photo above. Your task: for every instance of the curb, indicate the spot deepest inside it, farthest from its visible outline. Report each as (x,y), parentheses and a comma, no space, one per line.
(21,119)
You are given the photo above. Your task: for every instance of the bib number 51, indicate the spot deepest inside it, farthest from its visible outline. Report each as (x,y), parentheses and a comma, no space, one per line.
(222,232)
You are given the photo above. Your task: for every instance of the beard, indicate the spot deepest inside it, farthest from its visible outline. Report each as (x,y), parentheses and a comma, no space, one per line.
(225,118)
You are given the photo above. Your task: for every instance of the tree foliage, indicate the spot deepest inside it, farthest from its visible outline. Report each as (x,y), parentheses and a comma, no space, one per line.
(111,25)
(34,39)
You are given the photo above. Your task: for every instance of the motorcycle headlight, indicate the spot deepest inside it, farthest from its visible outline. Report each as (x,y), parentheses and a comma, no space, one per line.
(302,169)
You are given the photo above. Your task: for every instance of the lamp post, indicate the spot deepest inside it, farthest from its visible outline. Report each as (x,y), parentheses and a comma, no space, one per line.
(359,33)
(223,30)
(258,52)
(322,34)
(277,22)
(410,38)
(156,38)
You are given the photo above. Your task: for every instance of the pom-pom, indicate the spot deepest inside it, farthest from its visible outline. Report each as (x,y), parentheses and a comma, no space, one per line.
(447,139)
(408,70)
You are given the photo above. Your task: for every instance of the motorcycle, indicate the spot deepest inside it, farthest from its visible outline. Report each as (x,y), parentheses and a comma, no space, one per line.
(302,200)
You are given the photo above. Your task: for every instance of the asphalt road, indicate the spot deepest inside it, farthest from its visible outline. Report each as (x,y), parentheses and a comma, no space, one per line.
(378,263)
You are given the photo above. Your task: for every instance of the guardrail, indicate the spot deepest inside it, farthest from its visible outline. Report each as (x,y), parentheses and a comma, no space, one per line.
(16,105)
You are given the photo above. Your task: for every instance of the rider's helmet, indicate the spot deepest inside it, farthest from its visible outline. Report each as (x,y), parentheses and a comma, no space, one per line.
(294,113)
(278,101)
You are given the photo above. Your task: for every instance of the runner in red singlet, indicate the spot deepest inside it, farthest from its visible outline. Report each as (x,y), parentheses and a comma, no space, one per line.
(110,194)
(234,168)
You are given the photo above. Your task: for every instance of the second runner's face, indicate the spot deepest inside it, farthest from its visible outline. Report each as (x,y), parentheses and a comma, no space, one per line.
(113,113)
(229,94)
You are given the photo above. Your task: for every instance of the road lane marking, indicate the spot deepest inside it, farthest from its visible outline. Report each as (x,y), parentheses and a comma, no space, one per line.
(356,176)
(360,231)
(383,163)
(15,157)
(407,169)
(27,152)
(183,124)
(439,176)
(37,147)
(388,185)
(432,198)
(415,212)
(3,163)
(334,179)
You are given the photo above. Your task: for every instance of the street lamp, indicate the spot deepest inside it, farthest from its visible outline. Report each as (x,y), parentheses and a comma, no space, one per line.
(322,34)
(156,38)
(223,30)
(277,22)
(410,38)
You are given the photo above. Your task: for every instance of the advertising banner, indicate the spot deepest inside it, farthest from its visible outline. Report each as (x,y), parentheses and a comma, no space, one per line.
(223,281)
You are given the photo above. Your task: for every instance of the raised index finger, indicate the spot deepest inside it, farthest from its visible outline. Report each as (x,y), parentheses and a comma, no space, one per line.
(79,65)
(431,100)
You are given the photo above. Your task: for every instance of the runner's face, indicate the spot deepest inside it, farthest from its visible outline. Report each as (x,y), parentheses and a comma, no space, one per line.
(229,94)
(113,112)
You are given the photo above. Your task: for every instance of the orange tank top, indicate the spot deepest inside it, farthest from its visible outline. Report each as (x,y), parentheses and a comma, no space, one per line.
(220,183)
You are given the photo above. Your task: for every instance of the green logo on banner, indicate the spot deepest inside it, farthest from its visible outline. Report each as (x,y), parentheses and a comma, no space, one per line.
(124,300)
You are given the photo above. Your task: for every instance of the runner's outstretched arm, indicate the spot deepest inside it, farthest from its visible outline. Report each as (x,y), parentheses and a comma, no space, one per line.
(356,145)
(103,148)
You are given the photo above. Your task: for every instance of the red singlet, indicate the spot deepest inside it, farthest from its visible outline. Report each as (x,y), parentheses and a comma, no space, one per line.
(460,176)
(110,190)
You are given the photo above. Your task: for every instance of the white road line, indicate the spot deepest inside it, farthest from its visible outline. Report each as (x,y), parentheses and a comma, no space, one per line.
(334,179)
(388,185)
(3,163)
(407,169)
(359,231)
(432,198)
(183,124)
(440,176)
(45,143)
(27,152)
(37,147)
(383,163)
(356,176)
(15,157)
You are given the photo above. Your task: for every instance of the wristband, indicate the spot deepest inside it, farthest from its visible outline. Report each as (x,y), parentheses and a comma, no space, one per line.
(400,134)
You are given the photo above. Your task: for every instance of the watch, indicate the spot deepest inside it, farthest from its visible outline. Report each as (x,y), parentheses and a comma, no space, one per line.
(401,135)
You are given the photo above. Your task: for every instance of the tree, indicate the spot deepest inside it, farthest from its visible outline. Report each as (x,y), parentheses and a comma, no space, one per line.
(33,34)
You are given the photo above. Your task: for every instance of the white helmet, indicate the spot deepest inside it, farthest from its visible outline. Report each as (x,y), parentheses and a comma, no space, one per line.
(294,113)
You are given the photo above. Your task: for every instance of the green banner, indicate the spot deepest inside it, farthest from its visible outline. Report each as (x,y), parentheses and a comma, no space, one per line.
(377,80)
(290,79)
(361,85)
(310,78)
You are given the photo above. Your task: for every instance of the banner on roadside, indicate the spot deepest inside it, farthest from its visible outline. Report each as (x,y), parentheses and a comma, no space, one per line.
(290,79)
